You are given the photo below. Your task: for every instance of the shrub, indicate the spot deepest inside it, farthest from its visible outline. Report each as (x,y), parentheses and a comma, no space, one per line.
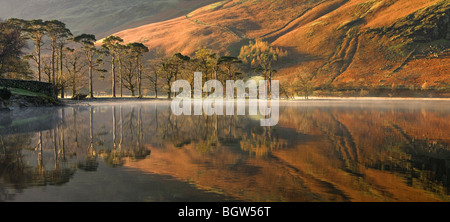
(5,93)
(79,96)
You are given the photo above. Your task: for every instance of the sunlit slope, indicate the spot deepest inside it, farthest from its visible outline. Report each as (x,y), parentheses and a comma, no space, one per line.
(223,26)
(376,43)
(345,43)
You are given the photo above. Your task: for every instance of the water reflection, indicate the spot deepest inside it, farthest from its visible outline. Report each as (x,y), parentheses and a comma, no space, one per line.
(319,151)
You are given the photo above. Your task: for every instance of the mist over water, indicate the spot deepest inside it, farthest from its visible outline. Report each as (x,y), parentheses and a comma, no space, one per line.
(327,150)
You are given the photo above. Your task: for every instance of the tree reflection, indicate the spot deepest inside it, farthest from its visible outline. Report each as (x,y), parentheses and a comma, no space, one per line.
(134,147)
(90,162)
(314,154)
(337,154)
(262,141)
(13,169)
(18,172)
(359,140)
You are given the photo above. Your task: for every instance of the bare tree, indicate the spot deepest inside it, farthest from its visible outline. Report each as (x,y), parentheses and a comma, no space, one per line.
(304,84)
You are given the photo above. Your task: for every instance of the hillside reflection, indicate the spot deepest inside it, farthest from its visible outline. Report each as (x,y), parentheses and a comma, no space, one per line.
(317,152)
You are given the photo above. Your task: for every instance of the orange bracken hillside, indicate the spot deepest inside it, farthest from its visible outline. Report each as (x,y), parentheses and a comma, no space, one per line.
(344,43)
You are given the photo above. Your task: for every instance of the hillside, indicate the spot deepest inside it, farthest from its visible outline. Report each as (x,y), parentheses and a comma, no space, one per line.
(100,17)
(386,44)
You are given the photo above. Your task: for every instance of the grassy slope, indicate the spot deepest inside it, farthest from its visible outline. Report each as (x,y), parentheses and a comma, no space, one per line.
(38,98)
(345,43)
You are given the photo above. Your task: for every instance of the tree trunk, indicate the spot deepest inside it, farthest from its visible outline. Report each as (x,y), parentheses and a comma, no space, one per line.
(38,49)
(74,82)
(269,91)
(121,77)
(91,91)
(74,87)
(139,78)
(156,87)
(61,71)
(170,90)
(113,76)
(53,64)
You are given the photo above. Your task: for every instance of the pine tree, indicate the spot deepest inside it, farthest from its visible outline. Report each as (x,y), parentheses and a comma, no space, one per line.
(112,45)
(87,41)
(36,29)
(138,50)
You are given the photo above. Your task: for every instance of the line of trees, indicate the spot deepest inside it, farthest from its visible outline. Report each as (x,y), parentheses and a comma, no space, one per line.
(70,62)
(61,58)
(257,57)
(164,70)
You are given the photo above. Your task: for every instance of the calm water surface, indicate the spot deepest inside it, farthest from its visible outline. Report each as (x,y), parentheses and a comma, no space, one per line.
(329,151)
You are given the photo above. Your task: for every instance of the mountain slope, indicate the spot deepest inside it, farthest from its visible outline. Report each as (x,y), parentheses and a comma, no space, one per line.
(100,17)
(344,43)
(377,43)
(222,24)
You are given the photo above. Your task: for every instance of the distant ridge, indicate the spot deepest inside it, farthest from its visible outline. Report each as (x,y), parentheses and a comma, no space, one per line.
(100,17)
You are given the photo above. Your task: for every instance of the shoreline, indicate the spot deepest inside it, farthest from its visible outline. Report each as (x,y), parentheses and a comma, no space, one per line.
(343,102)
(376,98)
(105,100)
(125,100)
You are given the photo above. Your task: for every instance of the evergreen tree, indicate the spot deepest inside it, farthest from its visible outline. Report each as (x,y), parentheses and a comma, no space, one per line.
(12,43)
(138,50)
(112,45)
(36,29)
(87,41)
(58,34)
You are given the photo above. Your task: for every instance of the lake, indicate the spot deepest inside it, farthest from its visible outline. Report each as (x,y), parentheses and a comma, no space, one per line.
(339,150)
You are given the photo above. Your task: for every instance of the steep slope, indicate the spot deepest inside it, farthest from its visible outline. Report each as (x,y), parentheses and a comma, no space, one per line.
(101,17)
(360,45)
(223,26)
(344,43)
